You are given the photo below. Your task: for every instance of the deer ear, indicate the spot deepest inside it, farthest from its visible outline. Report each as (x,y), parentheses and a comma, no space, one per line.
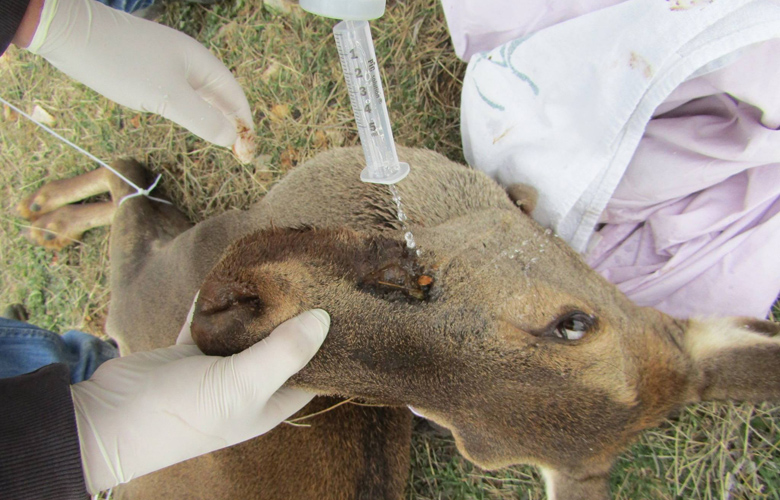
(735,358)
(524,196)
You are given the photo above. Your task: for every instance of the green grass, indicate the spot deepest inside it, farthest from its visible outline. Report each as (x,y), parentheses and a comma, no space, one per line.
(288,66)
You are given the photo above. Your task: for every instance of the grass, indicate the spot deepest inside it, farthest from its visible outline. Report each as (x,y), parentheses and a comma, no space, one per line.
(288,65)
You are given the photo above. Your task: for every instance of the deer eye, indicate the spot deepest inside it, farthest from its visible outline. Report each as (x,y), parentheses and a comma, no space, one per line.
(573,326)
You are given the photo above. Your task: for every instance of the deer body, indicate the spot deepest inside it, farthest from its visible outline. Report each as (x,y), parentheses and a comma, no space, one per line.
(497,330)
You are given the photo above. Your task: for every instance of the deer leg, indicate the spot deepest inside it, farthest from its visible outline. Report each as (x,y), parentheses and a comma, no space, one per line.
(57,194)
(55,223)
(140,226)
(142,263)
(65,225)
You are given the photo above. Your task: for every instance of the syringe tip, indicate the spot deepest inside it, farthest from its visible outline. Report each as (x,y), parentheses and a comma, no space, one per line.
(371,176)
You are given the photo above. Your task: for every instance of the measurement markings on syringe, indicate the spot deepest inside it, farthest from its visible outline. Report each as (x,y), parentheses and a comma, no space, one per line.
(362,96)
(374,80)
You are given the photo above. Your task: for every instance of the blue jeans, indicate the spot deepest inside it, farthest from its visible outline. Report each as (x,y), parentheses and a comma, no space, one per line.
(25,348)
(127,5)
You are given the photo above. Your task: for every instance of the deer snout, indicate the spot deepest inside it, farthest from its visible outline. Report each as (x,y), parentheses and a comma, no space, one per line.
(238,309)
(222,314)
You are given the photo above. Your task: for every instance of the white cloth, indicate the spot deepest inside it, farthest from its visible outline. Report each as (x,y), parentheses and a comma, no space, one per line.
(480,25)
(564,109)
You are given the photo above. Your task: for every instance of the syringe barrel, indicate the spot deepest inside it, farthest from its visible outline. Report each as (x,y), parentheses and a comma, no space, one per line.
(364,83)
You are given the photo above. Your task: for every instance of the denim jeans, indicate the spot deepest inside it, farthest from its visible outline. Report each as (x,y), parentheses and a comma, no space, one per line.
(127,5)
(25,348)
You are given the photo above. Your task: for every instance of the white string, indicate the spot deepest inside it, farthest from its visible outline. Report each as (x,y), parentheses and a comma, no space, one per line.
(139,191)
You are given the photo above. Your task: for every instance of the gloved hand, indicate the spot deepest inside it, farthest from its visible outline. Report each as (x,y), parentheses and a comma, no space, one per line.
(149,410)
(145,66)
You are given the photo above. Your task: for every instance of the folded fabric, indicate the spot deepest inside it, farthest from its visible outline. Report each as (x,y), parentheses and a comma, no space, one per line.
(480,25)
(655,122)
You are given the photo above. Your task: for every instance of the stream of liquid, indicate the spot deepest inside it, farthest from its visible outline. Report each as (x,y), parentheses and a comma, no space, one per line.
(408,236)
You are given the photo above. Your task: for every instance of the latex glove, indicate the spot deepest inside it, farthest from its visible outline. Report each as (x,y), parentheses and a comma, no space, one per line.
(145,66)
(149,410)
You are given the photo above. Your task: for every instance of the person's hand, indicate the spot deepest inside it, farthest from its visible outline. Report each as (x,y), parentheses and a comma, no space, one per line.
(146,66)
(149,410)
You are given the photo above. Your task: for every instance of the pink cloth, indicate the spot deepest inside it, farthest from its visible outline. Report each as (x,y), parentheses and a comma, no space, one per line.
(698,236)
(693,226)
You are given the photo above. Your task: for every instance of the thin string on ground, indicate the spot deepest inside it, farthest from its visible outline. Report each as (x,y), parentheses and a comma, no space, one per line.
(139,191)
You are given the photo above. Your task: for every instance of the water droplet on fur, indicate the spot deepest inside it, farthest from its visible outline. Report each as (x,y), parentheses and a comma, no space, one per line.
(409,237)
(402,218)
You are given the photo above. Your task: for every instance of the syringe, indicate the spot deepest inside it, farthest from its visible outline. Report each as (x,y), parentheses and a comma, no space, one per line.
(364,83)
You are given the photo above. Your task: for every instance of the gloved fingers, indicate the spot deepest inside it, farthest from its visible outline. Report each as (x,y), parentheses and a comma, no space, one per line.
(138,364)
(185,335)
(214,82)
(188,109)
(264,367)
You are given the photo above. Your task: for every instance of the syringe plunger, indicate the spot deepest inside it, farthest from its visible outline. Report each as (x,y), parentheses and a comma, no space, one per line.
(348,10)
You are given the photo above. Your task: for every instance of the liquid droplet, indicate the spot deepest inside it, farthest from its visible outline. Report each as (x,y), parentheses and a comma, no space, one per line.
(409,237)
(402,218)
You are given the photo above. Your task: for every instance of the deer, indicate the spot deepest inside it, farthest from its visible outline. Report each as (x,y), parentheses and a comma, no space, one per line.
(496,330)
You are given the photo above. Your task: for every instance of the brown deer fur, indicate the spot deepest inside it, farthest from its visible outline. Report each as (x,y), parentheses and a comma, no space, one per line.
(468,333)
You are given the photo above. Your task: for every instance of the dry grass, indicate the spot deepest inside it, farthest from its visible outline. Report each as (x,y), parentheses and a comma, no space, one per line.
(288,65)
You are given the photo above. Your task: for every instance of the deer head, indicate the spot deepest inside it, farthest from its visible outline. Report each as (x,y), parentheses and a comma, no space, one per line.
(497,331)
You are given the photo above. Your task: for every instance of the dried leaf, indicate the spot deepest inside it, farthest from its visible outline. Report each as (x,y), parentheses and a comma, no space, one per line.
(270,71)
(280,6)
(336,137)
(227,30)
(289,158)
(135,121)
(279,112)
(42,116)
(9,114)
(320,140)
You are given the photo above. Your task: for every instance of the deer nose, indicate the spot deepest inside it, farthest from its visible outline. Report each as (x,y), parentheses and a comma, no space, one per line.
(222,313)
